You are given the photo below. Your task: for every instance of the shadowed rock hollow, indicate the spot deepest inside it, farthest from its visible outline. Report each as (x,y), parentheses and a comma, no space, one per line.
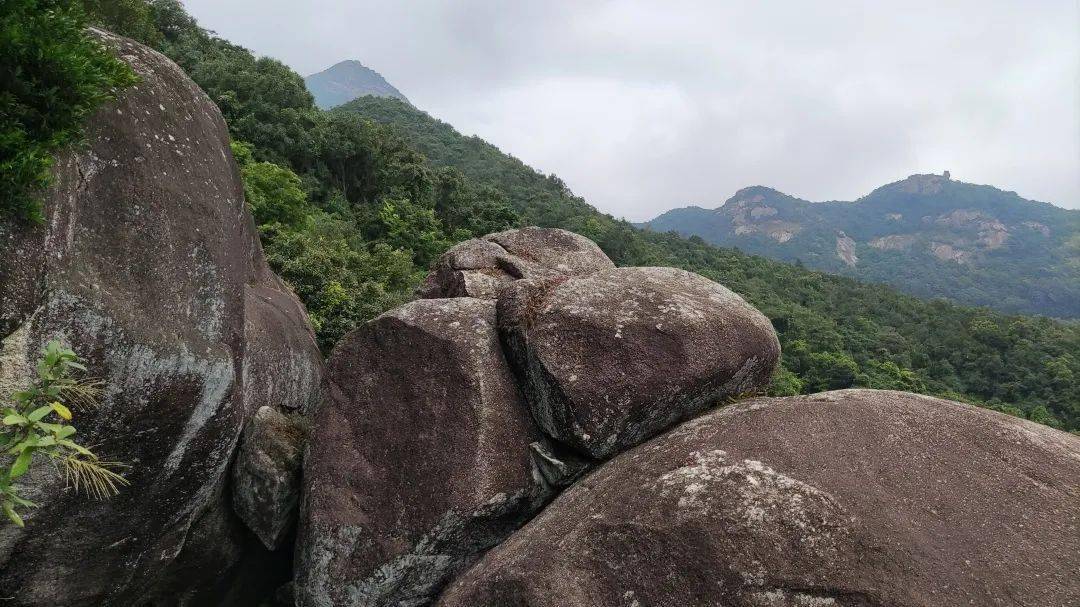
(149,266)
(856,498)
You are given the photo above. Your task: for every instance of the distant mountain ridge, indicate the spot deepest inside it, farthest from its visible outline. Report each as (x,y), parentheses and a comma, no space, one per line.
(347,80)
(929,235)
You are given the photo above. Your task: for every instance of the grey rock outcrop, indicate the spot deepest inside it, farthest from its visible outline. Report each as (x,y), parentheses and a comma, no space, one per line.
(418,462)
(477,267)
(856,498)
(612,358)
(148,265)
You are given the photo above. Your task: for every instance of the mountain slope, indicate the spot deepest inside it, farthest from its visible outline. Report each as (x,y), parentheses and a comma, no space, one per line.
(928,235)
(834,331)
(346,81)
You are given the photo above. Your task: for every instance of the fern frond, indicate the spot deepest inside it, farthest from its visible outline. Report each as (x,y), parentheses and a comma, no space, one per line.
(82,394)
(97,478)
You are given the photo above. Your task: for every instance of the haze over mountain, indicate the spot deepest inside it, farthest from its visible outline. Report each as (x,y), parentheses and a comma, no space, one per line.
(347,80)
(665,105)
(929,235)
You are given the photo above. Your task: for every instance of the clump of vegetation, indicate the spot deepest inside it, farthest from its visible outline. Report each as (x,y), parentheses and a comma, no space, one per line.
(35,423)
(52,77)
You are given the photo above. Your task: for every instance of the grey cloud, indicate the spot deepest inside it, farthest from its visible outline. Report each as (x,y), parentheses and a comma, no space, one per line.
(642,106)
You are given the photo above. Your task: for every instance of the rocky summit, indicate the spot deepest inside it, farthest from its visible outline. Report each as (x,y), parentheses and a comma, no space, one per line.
(539,428)
(469,413)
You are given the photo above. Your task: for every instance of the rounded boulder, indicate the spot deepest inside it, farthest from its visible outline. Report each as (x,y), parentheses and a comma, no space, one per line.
(615,357)
(848,498)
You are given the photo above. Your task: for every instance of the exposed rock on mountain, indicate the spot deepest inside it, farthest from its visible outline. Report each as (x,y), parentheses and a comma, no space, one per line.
(893,242)
(928,234)
(476,268)
(845,249)
(419,461)
(469,269)
(855,497)
(149,267)
(611,359)
(347,80)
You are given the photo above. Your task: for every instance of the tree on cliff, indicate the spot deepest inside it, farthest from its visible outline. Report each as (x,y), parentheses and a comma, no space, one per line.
(52,77)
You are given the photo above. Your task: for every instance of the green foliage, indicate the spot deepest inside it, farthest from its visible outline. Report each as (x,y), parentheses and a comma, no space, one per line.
(274,193)
(406,225)
(52,77)
(340,278)
(35,424)
(785,383)
(131,18)
(829,371)
(469,208)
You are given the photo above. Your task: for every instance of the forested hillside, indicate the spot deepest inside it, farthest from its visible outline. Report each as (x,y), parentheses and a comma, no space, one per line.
(354,205)
(835,331)
(927,235)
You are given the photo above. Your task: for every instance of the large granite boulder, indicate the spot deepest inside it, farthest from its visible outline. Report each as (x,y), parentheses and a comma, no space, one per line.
(148,265)
(477,267)
(418,462)
(612,358)
(854,498)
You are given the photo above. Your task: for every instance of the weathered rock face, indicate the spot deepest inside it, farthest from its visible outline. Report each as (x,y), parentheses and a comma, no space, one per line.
(613,358)
(266,475)
(469,269)
(418,462)
(149,267)
(477,267)
(552,249)
(855,497)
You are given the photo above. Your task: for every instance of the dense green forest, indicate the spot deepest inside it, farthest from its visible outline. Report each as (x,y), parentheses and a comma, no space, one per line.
(52,76)
(355,203)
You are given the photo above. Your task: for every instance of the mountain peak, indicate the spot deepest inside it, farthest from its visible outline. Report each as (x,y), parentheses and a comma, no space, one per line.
(922,184)
(759,194)
(346,80)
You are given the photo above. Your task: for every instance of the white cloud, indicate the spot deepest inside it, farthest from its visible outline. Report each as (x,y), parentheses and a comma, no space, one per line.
(642,106)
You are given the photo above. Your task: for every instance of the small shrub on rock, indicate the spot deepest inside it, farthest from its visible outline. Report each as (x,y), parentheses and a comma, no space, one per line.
(35,422)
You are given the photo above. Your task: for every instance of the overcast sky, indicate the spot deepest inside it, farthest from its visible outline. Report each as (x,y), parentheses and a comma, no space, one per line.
(645,106)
